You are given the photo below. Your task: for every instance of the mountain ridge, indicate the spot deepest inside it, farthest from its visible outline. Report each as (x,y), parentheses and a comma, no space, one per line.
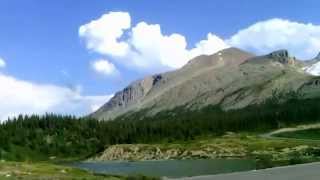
(232,78)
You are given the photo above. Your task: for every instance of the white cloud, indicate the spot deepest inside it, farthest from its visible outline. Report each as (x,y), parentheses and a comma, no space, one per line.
(23,97)
(2,63)
(145,47)
(209,46)
(96,102)
(302,40)
(104,67)
(153,49)
(103,35)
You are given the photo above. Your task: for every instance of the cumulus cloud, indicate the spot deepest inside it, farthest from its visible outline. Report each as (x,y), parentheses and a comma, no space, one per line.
(2,63)
(302,40)
(152,48)
(143,45)
(209,46)
(104,67)
(103,35)
(23,97)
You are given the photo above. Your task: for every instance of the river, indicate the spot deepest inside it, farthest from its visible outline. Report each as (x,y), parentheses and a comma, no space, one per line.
(169,168)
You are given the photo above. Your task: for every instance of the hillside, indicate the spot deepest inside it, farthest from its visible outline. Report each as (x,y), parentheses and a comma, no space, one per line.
(231,78)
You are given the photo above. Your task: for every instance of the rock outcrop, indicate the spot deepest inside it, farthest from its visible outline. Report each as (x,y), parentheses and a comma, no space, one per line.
(282,56)
(142,152)
(129,96)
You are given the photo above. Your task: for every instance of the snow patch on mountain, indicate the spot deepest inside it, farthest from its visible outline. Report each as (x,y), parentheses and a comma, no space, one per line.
(313,69)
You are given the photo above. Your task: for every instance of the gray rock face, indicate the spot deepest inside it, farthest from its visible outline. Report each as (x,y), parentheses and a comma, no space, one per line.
(129,96)
(231,78)
(282,56)
(279,54)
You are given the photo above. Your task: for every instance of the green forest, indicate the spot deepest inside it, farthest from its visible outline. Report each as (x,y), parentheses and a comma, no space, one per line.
(57,137)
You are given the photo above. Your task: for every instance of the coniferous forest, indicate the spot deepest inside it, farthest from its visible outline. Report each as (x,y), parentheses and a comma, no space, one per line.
(67,137)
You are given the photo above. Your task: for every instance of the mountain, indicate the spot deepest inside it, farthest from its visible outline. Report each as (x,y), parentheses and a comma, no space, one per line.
(231,78)
(313,66)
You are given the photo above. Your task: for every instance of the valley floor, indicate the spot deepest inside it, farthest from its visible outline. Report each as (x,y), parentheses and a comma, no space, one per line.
(268,151)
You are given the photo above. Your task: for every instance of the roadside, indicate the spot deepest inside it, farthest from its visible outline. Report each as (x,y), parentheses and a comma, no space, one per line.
(273,134)
(291,129)
(297,172)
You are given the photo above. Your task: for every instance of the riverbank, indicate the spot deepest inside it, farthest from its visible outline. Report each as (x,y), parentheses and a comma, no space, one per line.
(25,170)
(48,171)
(267,152)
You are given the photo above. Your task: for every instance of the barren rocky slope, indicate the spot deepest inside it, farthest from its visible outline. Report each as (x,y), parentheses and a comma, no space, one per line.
(231,78)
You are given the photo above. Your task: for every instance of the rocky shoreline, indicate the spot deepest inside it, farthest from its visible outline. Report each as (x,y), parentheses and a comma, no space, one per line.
(141,152)
(227,147)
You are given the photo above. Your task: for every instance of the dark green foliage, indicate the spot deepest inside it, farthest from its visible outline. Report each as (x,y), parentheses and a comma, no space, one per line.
(141,177)
(40,137)
(264,161)
(295,158)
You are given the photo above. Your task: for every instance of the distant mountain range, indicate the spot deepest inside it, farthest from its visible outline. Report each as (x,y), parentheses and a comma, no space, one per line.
(231,78)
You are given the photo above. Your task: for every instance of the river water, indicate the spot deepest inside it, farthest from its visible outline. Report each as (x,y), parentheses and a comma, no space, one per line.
(170,168)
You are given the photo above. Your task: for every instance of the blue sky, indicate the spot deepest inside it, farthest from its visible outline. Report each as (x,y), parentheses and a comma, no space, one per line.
(40,41)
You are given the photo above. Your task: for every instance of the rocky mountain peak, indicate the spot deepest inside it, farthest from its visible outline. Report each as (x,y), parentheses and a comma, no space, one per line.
(283,53)
(282,56)
(227,54)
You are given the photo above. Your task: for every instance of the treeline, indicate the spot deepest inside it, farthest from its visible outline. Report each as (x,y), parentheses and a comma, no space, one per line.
(41,137)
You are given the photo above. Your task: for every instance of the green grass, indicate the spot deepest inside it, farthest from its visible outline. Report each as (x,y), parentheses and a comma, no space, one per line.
(19,170)
(268,152)
(34,171)
(308,134)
